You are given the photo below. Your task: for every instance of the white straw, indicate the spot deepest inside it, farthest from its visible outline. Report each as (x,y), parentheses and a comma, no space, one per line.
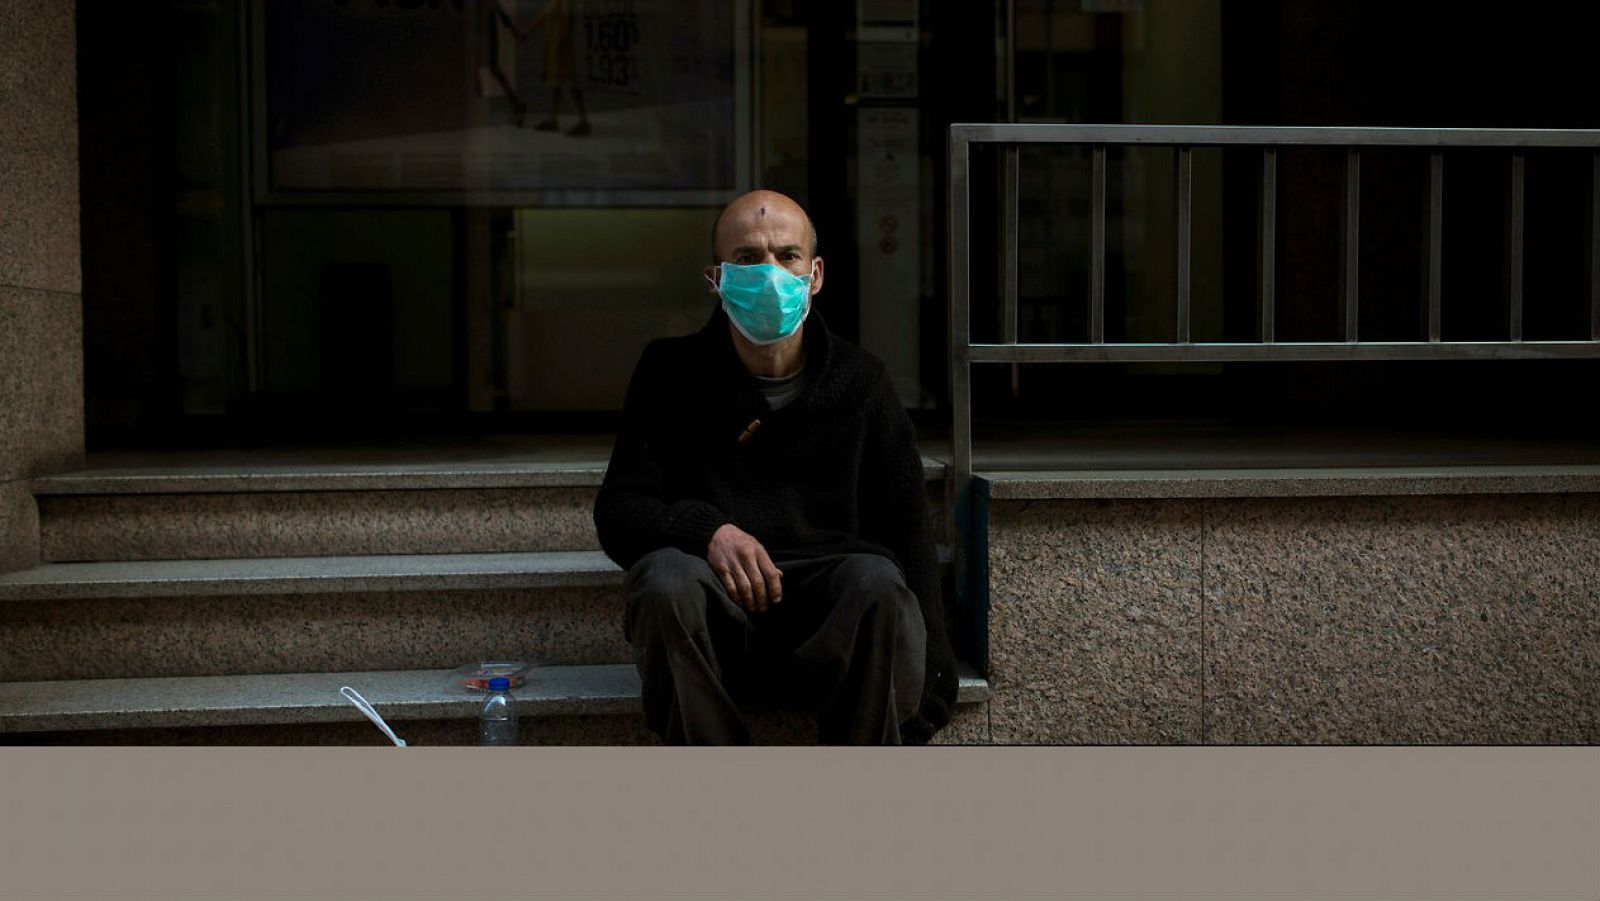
(371,714)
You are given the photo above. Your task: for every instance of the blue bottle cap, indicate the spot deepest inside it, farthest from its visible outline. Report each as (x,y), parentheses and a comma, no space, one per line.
(499,683)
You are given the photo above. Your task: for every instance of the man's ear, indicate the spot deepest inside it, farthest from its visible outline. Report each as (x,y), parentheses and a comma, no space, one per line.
(710,273)
(816,276)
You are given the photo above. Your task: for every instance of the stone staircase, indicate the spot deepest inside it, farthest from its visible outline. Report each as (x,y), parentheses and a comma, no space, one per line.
(228,603)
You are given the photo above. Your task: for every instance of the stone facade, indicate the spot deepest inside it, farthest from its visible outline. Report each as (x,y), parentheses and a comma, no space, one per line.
(41,309)
(1469,619)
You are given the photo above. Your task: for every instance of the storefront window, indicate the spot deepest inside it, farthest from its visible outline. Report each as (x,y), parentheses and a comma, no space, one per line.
(475,212)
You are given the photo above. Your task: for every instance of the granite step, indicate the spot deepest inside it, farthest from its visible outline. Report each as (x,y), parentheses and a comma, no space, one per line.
(198,510)
(214,524)
(174,618)
(297,698)
(177,618)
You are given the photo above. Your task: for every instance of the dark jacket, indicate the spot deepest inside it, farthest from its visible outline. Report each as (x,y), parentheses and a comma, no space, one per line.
(835,471)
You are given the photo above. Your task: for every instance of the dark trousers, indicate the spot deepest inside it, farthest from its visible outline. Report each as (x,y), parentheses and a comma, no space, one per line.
(847,641)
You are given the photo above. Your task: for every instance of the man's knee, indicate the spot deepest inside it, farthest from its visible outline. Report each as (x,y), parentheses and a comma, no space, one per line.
(871,580)
(665,581)
(666,571)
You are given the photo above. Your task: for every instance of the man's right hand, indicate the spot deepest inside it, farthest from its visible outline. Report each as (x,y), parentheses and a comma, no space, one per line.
(747,573)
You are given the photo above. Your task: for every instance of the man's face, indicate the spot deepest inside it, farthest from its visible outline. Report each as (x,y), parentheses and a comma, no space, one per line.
(765,227)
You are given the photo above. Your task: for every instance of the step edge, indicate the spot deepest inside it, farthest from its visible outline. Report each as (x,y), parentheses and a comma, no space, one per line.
(110,482)
(95,483)
(326,706)
(604,700)
(594,570)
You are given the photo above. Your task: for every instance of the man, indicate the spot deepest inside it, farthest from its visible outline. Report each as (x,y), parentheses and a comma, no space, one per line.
(767,499)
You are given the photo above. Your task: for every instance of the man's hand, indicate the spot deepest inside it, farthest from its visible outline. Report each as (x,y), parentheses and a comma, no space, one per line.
(744,568)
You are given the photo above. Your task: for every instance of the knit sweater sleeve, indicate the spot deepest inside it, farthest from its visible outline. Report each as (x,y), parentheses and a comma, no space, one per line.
(635,513)
(894,510)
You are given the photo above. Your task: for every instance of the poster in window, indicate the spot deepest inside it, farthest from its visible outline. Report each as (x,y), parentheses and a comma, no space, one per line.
(587,97)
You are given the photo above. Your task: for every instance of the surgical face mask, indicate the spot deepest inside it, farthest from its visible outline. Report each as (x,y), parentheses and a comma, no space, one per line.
(766,302)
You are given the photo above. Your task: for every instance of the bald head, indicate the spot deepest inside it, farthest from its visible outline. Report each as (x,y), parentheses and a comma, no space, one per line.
(760,221)
(765,227)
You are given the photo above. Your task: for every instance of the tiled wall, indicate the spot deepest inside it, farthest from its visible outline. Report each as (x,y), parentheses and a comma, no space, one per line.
(41,311)
(1471,619)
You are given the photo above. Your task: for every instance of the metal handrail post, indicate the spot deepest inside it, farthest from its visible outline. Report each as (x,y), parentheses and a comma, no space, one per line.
(958,479)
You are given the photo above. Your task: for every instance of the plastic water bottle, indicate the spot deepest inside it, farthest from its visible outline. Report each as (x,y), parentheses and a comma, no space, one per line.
(497,722)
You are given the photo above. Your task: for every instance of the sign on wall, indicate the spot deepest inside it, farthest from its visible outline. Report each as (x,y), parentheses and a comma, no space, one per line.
(889,239)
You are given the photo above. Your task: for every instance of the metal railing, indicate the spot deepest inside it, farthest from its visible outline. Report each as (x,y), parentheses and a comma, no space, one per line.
(964,353)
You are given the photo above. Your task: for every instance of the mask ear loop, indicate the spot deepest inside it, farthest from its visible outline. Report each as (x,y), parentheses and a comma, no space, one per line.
(371,713)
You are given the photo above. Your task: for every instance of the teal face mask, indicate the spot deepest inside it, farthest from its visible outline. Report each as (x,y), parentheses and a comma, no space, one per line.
(766,303)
